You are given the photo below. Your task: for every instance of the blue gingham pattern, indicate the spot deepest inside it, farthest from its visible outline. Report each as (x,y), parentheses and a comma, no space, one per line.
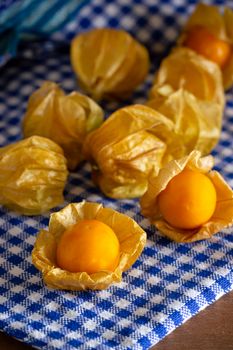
(170,282)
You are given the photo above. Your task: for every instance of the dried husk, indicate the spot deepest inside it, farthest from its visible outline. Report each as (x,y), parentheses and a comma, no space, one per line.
(223,215)
(131,237)
(218,24)
(127,147)
(183,68)
(197,123)
(65,119)
(33,175)
(104,72)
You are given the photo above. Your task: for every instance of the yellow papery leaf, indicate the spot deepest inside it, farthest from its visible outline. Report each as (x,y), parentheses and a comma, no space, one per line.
(218,24)
(65,119)
(185,69)
(109,63)
(222,216)
(128,146)
(131,237)
(196,123)
(33,175)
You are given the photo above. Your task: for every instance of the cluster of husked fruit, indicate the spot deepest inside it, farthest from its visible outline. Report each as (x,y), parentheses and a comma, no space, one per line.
(158,151)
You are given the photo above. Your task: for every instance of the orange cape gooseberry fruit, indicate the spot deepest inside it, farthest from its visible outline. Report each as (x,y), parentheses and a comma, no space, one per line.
(88,246)
(200,40)
(189,200)
(87,237)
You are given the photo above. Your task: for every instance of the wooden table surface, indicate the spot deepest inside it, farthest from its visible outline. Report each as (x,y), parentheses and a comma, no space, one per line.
(211,329)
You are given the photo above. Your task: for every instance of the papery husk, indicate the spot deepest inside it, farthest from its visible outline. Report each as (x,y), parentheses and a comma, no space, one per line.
(33,175)
(223,214)
(227,71)
(218,24)
(197,123)
(129,146)
(104,72)
(131,237)
(183,68)
(65,119)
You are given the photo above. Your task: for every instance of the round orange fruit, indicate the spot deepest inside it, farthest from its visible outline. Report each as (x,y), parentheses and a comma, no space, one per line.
(188,201)
(199,39)
(88,246)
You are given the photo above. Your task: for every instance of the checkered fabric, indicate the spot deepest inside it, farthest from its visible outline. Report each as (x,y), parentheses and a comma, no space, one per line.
(170,282)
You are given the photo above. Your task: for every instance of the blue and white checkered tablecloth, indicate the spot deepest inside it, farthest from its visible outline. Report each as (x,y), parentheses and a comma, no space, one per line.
(170,282)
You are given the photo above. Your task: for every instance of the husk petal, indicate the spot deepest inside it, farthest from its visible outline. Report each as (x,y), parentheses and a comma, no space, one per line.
(197,123)
(223,215)
(33,175)
(183,68)
(65,119)
(128,146)
(104,72)
(218,24)
(131,237)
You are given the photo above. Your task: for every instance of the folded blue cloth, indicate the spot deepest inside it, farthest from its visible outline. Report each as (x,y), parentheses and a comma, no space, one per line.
(29,18)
